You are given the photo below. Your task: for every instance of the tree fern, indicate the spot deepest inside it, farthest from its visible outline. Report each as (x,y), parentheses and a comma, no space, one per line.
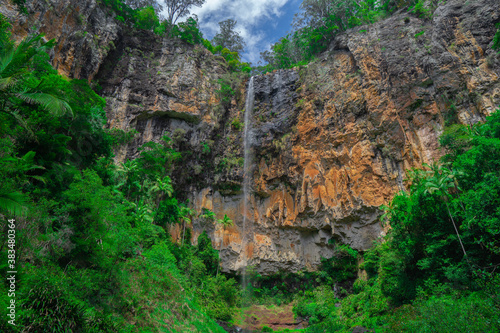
(15,68)
(13,203)
(51,103)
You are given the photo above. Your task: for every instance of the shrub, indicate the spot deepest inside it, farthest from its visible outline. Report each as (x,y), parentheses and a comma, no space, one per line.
(496,39)
(146,18)
(473,313)
(188,31)
(237,124)
(343,265)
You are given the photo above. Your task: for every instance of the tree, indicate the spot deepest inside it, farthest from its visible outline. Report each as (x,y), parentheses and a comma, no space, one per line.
(162,187)
(126,177)
(146,18)
(188,31)
(179,8)
(15,71)
(185,217)
(207,214)
(314,12)
(440,179)
(229,38)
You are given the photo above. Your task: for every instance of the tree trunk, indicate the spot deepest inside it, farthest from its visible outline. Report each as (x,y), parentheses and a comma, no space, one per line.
(456,230)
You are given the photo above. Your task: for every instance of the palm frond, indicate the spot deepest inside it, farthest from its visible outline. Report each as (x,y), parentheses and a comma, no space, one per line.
(14,203)
(5,59)
(20,120)
(7,82)
(51,103)
(39,178)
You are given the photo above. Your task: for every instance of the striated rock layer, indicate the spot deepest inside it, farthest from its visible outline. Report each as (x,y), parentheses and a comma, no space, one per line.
(331,141)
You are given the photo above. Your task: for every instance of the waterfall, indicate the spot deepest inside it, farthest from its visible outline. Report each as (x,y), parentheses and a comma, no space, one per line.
(247,175)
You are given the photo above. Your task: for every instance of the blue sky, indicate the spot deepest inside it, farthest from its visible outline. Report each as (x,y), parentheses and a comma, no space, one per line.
(260,22)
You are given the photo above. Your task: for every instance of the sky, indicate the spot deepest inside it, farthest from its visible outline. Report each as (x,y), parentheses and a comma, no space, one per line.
(260,22)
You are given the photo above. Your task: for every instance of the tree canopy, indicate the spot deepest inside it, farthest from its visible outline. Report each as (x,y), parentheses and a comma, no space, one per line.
(228,37)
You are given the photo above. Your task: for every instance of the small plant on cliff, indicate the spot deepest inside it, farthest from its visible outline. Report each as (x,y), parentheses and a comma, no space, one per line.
(206,147)
(237,124)
(21,6)
(179,136)
(281,144)
(207,214)
(496,39)
(422,9)
(225,92)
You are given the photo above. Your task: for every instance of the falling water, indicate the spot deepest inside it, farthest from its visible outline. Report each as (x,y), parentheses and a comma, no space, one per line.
(247,175)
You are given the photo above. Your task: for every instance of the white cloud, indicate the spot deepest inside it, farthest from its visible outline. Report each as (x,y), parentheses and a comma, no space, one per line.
(248,13)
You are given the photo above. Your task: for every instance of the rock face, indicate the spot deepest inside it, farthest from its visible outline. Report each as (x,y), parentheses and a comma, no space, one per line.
(331,141)
(157,86)
(84,32)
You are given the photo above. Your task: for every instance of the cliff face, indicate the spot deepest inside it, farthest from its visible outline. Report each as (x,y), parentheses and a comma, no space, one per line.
(84,32)
(330,141)
(158,86)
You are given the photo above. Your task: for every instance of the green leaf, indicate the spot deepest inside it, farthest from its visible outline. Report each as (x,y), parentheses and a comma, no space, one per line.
(51,103)
(14,203)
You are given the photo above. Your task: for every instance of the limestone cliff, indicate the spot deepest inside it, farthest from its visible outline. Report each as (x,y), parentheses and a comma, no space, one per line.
(331,140)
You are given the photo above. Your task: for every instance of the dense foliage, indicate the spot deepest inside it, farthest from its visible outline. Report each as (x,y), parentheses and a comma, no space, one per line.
(496,39)
(93,250)
(145,15)
(321,20)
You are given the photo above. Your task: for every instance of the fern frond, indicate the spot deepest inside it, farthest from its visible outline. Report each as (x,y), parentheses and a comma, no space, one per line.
(5,59)
(39,178)
(14,203)
(7,82)
(51,103)
(22,122)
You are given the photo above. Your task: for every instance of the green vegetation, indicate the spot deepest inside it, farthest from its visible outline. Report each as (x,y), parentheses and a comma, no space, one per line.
(93,244)
(496,39)
(145,15)
(418,34)
(93,248)
(237,124)
(228,38)
(436,270)
(21,5)
(321,20)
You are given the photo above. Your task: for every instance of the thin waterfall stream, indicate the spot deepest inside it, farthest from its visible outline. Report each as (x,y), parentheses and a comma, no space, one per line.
(247,175)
